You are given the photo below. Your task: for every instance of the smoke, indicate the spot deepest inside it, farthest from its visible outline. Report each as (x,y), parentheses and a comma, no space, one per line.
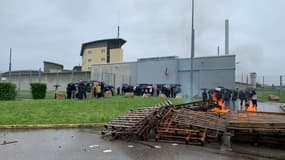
(249,54)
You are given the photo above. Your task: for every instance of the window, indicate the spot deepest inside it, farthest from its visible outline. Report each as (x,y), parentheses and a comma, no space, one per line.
(89,51)
(89,68)
(108,57)
(103,50)
(103,59)
(89,60)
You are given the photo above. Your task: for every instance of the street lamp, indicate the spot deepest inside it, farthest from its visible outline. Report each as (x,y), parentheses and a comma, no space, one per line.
(192,52)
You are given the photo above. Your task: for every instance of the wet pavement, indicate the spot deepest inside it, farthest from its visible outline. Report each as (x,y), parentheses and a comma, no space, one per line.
(268,106)
(87,144)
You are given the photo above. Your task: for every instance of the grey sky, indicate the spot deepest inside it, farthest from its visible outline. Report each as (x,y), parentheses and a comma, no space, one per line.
(54,30)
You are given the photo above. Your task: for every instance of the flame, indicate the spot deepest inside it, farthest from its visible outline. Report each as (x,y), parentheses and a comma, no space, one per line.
(250,108)
(220,103)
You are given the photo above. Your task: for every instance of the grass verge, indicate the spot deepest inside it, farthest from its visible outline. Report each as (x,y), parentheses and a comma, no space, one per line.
(49,111)
(262,94)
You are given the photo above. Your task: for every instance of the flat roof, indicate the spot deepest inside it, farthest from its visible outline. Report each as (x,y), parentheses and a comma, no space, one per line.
(113,40)
(48,62)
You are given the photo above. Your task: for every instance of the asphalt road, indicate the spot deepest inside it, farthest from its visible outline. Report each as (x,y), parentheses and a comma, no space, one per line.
(88,144)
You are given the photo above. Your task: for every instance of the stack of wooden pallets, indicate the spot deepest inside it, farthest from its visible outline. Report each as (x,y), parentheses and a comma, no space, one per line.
(166,122)
(137,122)
(189,126)
(263,127)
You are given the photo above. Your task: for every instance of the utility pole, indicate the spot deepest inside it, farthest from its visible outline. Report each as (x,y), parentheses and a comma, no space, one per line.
(10,64)
(40,76)
(280,92)
(263,82)
(262,85)
(218,48)
(192,52)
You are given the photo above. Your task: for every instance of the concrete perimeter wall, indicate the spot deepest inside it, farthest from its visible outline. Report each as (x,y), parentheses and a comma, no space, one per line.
(63,78)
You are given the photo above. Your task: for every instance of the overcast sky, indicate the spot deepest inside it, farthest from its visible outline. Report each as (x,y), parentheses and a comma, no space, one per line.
(53,30)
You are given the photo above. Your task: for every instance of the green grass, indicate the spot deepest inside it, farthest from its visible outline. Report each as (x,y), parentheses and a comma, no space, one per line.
(25,94)
(262,94)
(51,111)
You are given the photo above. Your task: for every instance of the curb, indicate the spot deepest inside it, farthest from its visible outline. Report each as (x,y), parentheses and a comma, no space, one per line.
(52,126)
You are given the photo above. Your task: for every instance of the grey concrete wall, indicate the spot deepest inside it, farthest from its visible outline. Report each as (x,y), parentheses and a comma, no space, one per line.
(208,72)
(23,81)
(133,73)
(114,74)
(153,71)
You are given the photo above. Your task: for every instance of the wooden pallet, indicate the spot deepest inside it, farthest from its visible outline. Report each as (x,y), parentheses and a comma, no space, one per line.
(183,126)
(137,122)
(257,127)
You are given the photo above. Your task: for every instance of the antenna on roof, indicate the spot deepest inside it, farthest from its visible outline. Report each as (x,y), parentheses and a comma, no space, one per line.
(118,36)
(118,28)
(10,64)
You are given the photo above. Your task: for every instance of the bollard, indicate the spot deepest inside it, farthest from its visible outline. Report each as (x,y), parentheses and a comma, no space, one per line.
(226,141)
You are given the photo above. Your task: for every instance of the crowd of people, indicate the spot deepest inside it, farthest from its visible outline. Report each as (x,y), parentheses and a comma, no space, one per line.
(80,89)
(167,90)
(229,97)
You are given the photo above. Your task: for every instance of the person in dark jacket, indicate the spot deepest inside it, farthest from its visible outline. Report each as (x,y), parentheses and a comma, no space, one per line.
(204,96)
(73,90)
(68,91)
(227,98)
(81,89)
(241,98)
(247,95)
(102,90)
(118,91)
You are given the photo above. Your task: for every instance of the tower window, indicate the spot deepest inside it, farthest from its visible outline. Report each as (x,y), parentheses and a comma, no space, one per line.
(90,60)
(89,51)
(103,51)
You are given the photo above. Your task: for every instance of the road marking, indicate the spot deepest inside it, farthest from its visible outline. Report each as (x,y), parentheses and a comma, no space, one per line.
(107,151)
(92,146)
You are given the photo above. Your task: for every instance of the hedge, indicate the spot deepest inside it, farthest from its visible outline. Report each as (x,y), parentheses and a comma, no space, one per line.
(7,91)
(38,90)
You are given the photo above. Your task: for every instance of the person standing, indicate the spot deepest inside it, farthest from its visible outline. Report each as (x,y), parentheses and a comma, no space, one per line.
(68,91)
(118,91)
(241,98)
(73,91)
(247,96)
(98,90)
(157,90)
(204,96)
(254,99)
(81,89)
(227,98)
(234,98)
(102,90)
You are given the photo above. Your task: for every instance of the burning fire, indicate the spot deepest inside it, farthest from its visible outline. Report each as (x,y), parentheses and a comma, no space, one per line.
(250,108)
(220,103)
